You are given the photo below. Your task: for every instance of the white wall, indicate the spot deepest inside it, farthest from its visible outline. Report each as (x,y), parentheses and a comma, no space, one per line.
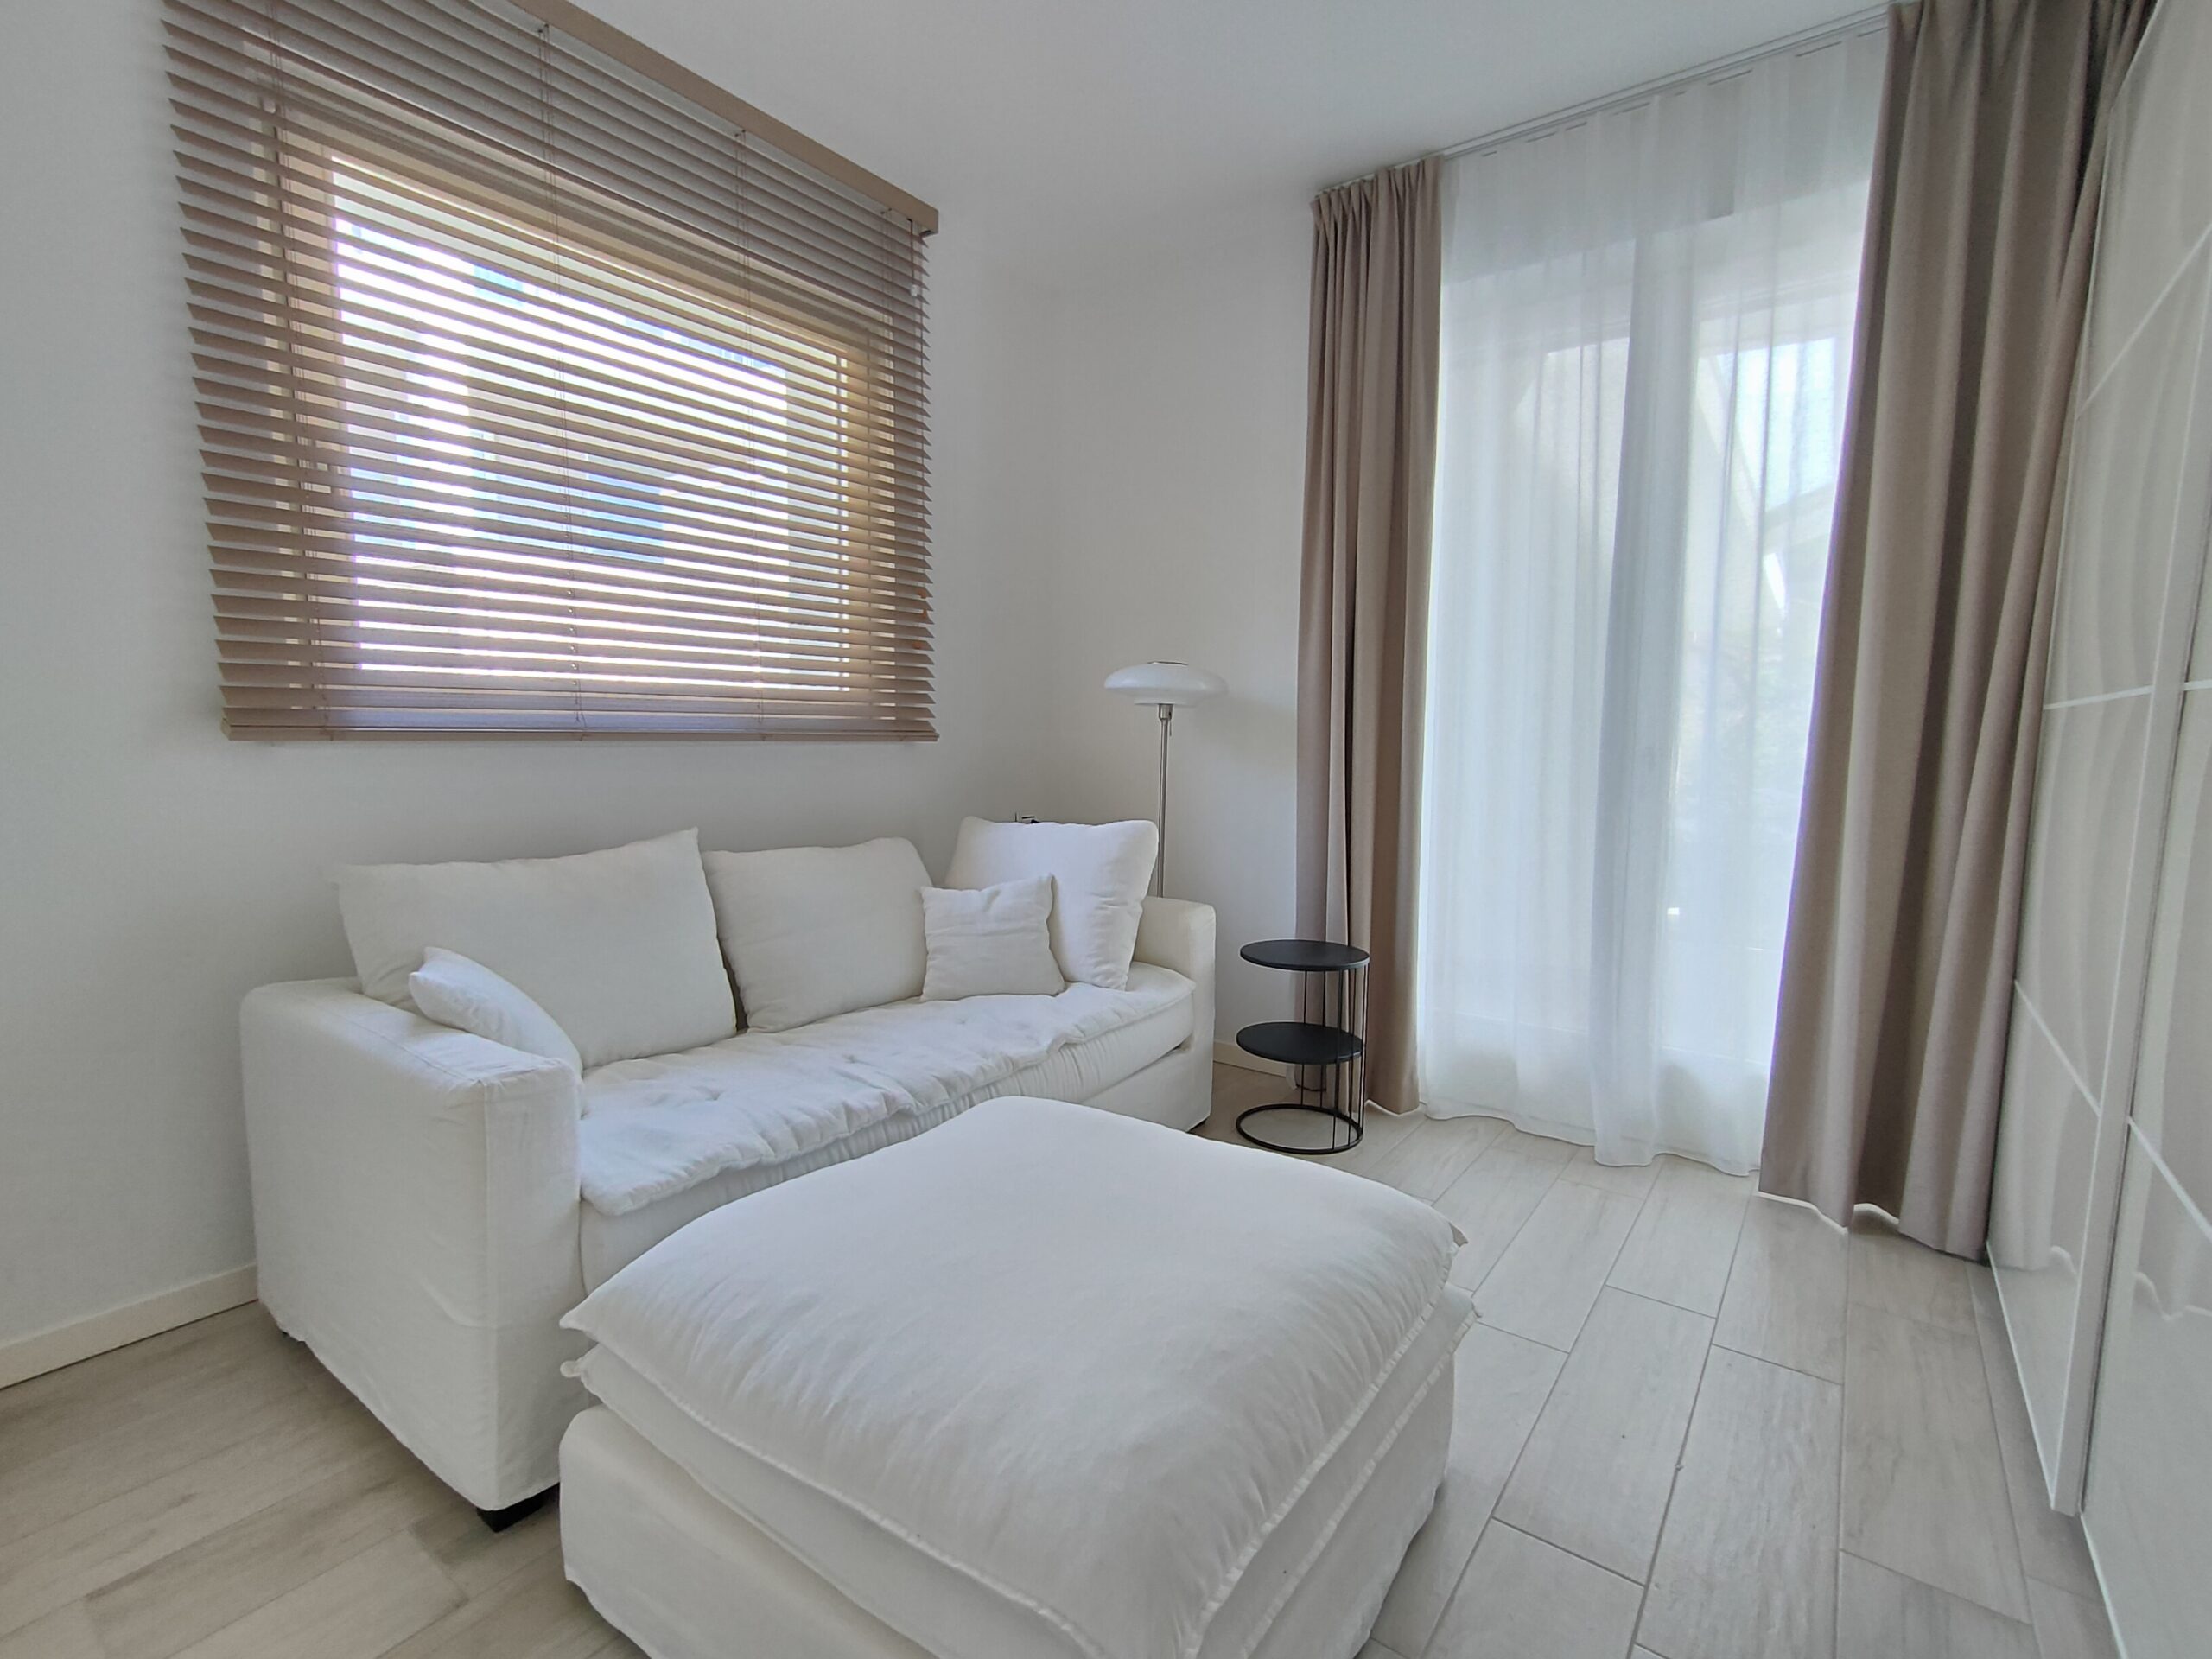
(1117,477)
(150,870)
(1178,431)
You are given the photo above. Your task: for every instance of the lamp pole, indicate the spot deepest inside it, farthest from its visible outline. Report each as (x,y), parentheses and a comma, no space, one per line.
(1162,686)
(1159,864)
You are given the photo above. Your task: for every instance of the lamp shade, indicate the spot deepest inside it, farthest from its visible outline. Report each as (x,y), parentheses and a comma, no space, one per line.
(1177,684)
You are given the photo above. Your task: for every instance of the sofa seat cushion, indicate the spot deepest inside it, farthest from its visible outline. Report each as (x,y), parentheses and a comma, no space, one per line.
(1090,1366)
(1074,1071)
(657,1127)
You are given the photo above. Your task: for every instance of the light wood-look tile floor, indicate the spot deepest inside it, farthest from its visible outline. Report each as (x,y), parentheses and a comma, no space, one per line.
(1692,1425)
(1698,1424)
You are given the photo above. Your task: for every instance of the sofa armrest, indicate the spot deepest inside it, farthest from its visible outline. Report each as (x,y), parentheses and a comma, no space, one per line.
(415,1214)
(1178,934)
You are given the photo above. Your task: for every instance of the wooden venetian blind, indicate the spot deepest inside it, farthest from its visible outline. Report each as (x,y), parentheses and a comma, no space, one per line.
(535,397)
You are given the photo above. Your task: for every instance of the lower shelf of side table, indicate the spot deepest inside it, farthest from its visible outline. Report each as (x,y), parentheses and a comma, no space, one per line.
(1300,1042)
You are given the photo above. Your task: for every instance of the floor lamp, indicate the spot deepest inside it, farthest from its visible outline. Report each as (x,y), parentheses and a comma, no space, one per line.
(1168,687)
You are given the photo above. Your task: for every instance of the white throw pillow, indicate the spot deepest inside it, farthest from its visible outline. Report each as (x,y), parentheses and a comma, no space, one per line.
(618,946)
(990,941)
(812,931)
(1099,874)
(468,996)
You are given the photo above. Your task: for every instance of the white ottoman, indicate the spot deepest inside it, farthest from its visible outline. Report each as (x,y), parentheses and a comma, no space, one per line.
(1043,1383)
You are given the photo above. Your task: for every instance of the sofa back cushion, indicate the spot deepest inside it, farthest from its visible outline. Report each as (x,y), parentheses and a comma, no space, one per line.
(1099,874)
(812,931)
(617,946)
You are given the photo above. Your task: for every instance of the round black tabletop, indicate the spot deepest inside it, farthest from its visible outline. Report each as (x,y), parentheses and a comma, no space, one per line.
(1305,956)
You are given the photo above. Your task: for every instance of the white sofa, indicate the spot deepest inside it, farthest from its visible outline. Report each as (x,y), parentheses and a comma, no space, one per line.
(428,1203)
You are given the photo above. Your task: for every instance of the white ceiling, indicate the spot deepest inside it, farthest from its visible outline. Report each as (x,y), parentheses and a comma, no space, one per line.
(1058,131)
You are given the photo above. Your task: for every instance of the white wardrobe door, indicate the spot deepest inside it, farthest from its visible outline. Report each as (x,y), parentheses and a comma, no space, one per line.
(2131,544)
(2150,1500)
(2149,1504)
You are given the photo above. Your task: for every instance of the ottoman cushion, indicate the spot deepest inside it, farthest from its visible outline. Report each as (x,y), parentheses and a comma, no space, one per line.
(1087,1366)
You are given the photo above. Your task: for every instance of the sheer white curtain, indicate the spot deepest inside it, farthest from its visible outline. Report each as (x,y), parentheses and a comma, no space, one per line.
(1646,324)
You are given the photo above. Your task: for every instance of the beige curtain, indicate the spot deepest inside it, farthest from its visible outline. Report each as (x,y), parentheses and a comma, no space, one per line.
(1371,456)
(1896,975)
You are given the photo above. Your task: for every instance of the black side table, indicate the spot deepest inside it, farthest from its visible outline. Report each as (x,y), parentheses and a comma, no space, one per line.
(1326,1047)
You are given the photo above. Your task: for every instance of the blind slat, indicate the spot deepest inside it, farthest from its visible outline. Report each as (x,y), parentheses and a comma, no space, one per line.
(259,617)
(431,60)
(279,543)
(534,400)
(797,513)
(255,618)
(283,543)
(275,616)
(518,670)
(853,259)
(322,421)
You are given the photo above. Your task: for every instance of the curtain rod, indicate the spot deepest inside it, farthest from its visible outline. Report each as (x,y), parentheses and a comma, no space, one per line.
(1857,22)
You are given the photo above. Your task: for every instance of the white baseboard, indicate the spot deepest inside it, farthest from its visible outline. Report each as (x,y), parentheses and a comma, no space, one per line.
(1229,1054)
(65,1345)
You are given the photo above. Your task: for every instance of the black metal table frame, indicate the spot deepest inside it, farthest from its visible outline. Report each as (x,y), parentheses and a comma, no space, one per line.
(1326,1044)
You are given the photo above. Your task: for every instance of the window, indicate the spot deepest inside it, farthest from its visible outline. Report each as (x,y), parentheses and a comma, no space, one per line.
(536,400)
(1647,323)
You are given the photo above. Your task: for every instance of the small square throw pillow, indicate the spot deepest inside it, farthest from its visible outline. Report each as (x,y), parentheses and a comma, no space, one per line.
(1099,874)
(989,941)
(468,996)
